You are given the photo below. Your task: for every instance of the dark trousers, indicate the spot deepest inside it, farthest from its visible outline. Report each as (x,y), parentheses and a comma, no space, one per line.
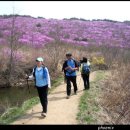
(86,81)
(43,92)
(70,79)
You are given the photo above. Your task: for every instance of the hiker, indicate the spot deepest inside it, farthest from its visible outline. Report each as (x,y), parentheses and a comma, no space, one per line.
(85,72)
(42,83)
(70,66)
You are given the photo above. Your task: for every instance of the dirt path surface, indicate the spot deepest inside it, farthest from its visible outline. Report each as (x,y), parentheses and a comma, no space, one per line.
(60,109)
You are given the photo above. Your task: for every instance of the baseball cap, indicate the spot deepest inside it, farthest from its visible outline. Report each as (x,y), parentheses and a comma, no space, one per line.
(39,59)
(68,54)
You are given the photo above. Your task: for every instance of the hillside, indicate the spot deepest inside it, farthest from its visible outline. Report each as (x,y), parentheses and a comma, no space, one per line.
(39,31)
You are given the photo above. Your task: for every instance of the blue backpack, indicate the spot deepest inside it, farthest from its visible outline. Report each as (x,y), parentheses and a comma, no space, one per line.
(85,69)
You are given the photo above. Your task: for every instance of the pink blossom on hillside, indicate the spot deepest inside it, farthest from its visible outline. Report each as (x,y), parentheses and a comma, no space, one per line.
(17,55)
(37,32)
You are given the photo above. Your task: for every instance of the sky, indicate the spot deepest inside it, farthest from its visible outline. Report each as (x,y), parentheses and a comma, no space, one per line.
(113,10)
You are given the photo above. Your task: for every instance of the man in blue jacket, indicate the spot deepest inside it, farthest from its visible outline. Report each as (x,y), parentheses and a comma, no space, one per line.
(70,66)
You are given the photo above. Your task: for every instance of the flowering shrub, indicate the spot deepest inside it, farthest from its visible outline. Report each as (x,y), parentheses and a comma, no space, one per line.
(99,62)
(17,55)
(37,32)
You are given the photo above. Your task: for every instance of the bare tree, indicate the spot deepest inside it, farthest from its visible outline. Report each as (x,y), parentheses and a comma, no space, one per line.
(13,46)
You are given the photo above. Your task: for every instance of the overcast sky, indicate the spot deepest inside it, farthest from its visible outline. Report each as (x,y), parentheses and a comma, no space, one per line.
(118,10)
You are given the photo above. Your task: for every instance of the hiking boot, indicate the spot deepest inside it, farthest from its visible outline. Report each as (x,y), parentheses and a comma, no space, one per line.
(68,97)
(43,114)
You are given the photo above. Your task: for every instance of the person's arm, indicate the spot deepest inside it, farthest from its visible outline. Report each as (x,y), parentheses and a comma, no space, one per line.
(88,63)
(31,77)
(76,66)
(65,66)
(69,67)
(48,78)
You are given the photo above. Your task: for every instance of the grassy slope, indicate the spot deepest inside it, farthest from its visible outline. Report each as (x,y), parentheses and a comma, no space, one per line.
(88,106)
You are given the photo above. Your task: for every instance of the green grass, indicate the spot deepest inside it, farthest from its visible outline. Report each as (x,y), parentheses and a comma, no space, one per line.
(15,112)
(56,83)
(88,106)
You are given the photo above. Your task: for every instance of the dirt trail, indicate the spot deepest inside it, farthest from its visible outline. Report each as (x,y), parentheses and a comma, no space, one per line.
(60,109)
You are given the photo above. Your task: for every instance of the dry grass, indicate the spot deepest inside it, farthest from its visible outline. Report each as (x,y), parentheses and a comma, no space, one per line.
(53,54)
(116,95)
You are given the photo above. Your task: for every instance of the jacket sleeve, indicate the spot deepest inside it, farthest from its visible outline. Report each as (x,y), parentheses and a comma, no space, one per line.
(48,78)
(31,77)
(88,63)
(64,65)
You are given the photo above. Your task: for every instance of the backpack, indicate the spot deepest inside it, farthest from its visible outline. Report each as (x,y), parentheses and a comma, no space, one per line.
(85,69)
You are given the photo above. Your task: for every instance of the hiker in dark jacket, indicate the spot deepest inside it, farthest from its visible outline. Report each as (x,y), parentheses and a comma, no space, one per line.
(42,83)
(70,66)
(85,72)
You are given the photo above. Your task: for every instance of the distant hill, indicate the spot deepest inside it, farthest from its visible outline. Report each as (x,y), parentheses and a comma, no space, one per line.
(39,31)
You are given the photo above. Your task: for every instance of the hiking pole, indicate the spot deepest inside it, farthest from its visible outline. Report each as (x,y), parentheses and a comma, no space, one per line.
(28,88)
